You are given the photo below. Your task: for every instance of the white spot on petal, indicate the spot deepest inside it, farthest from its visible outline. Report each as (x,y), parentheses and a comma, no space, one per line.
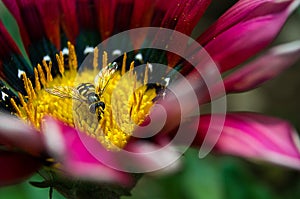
(3,95)
(88,49)
(167,80)
(116,52)
(150,66)
(65,51)
(20,72)
(139,57)
(47,58)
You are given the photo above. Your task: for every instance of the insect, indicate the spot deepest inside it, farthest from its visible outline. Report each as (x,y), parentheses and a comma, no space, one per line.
(88,93)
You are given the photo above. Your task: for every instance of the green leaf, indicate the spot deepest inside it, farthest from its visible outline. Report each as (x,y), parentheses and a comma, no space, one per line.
(13,29)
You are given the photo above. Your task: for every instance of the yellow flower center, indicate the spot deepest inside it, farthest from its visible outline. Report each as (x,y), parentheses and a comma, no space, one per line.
(127,100)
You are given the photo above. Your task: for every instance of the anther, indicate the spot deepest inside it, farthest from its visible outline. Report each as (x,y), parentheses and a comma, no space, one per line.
(124,64)
(42,75)
(95,60)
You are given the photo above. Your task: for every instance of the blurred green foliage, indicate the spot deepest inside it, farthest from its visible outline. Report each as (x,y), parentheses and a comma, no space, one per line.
(27,191)
(220,177)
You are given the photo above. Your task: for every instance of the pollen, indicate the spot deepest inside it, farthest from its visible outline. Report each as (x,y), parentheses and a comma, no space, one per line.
(124,96)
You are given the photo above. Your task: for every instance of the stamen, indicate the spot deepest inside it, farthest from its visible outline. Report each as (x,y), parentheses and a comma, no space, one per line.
(146,74)
(31,89)
(24,104)
(37,81)
(104,59)
(124,64)
(95,60)
(14,104)
(134,83)
(139,97)
(27,86)
(54,96)
(131,66)
(48,70)
(72,57)
(60,62)
(43,79)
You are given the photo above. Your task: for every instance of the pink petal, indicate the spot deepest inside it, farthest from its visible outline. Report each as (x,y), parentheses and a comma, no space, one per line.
(49,12)
(106,10)
(69,19)
(256,136)
(83,156)
(14,133)
(123,14)
(142,13)
(242,11)
(174,9)
(190,15)
(160,10)
(16,167)
(245,29)
(31,20)
(70,148)
(179,15)
(264,68)
(85,14)
(183,16)
(144,157)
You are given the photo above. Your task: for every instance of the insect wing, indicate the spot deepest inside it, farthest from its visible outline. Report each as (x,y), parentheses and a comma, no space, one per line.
(104,76)
(65,92)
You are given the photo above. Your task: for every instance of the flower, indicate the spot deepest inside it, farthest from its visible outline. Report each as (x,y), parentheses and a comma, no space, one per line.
(42,95)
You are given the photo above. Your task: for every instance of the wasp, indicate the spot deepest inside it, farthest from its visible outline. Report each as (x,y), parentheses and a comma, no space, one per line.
(88,93)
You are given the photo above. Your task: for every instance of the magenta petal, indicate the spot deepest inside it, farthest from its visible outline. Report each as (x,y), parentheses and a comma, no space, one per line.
(256,136)
(144,157)
(49,11)
(123,13)
(86,14)
(246,32)
(242,11)
(31,20)
(142,13)
(69,21)
(16,167)
(264,68)
(183,15)
(105,10)
(191,14)
(70,148)
(14,133)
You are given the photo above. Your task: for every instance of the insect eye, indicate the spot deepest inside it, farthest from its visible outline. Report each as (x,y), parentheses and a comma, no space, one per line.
(93,107)
(100,104)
